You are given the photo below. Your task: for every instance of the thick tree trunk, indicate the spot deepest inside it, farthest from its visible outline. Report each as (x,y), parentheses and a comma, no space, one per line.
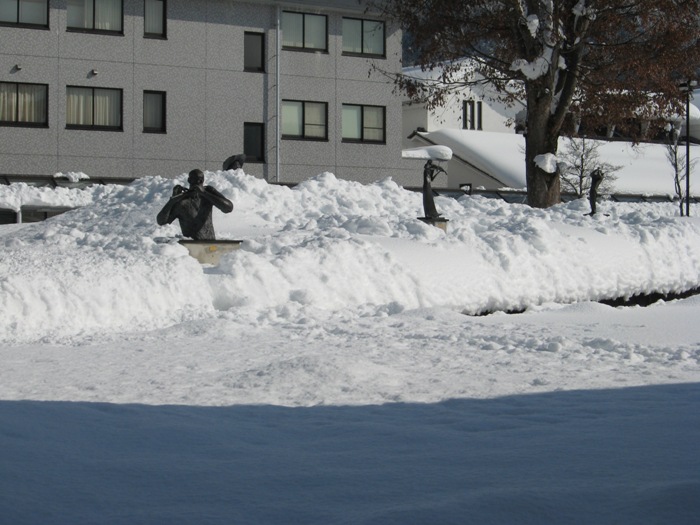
(543,188)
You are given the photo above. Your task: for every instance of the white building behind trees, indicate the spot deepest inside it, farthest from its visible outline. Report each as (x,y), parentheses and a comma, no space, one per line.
(488,148)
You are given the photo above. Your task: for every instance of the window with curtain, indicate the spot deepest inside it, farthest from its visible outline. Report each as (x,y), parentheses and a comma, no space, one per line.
(154,18)
(254,141)
(95,15)
(304,31)
(24,104)
(364,123)
(363,37)
(154,112)
(304,120)
(93,108)
(24,12)
(254,52)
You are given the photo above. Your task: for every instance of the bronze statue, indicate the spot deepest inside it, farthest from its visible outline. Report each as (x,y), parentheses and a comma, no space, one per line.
(192,207)
(430,171)
(234,162)
(596,179)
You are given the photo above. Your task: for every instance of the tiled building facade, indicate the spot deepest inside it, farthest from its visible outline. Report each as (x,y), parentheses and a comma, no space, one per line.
(131,88)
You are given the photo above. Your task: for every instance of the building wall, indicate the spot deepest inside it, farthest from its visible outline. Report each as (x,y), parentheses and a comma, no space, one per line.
(495,115)
(209,95)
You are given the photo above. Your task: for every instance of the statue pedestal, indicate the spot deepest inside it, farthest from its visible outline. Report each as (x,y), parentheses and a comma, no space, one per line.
(209,252)
(440,222)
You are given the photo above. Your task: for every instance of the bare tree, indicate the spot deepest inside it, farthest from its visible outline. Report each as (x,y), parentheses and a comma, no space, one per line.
(581,158)
(604,61)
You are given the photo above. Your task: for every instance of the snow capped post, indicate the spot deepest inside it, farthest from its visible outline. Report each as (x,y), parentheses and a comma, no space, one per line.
(430,171)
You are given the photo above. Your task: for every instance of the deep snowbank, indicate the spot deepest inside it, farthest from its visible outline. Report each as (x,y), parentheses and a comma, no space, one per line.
(327,244)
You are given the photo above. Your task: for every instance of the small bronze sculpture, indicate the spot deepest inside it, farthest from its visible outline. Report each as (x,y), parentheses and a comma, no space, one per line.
(430,171)
(234,162)
(192,207)
(596,179)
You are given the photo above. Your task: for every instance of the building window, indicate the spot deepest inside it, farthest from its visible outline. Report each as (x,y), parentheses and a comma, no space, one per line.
(154,112)
(254,141)
(24,104)
(304,120)
(364,123)
(304,31)
(30,13)
(254,52)
(154,19)
(95,15)
(94,108)
(471,114)
(363,37)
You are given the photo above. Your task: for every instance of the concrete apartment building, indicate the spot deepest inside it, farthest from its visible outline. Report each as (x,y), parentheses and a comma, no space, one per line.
(130,88)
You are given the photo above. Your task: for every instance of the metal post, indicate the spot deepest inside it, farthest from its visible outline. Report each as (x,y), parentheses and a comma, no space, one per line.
(688,87)
(278,108)
(687,150)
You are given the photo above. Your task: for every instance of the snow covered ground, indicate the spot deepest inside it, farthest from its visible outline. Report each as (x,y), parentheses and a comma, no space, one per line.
(332,370)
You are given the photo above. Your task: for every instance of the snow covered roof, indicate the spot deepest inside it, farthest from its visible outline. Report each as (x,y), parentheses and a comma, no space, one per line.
(497,154)
(644,167)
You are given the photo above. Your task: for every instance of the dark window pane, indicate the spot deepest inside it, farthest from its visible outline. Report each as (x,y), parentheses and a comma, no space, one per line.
(253,52)
(154,111)
(254,141)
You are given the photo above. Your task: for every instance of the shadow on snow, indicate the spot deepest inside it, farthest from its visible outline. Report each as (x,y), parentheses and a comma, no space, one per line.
(603,456)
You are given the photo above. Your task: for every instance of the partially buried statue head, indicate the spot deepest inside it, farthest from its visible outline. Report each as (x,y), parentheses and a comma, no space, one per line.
(196,177)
